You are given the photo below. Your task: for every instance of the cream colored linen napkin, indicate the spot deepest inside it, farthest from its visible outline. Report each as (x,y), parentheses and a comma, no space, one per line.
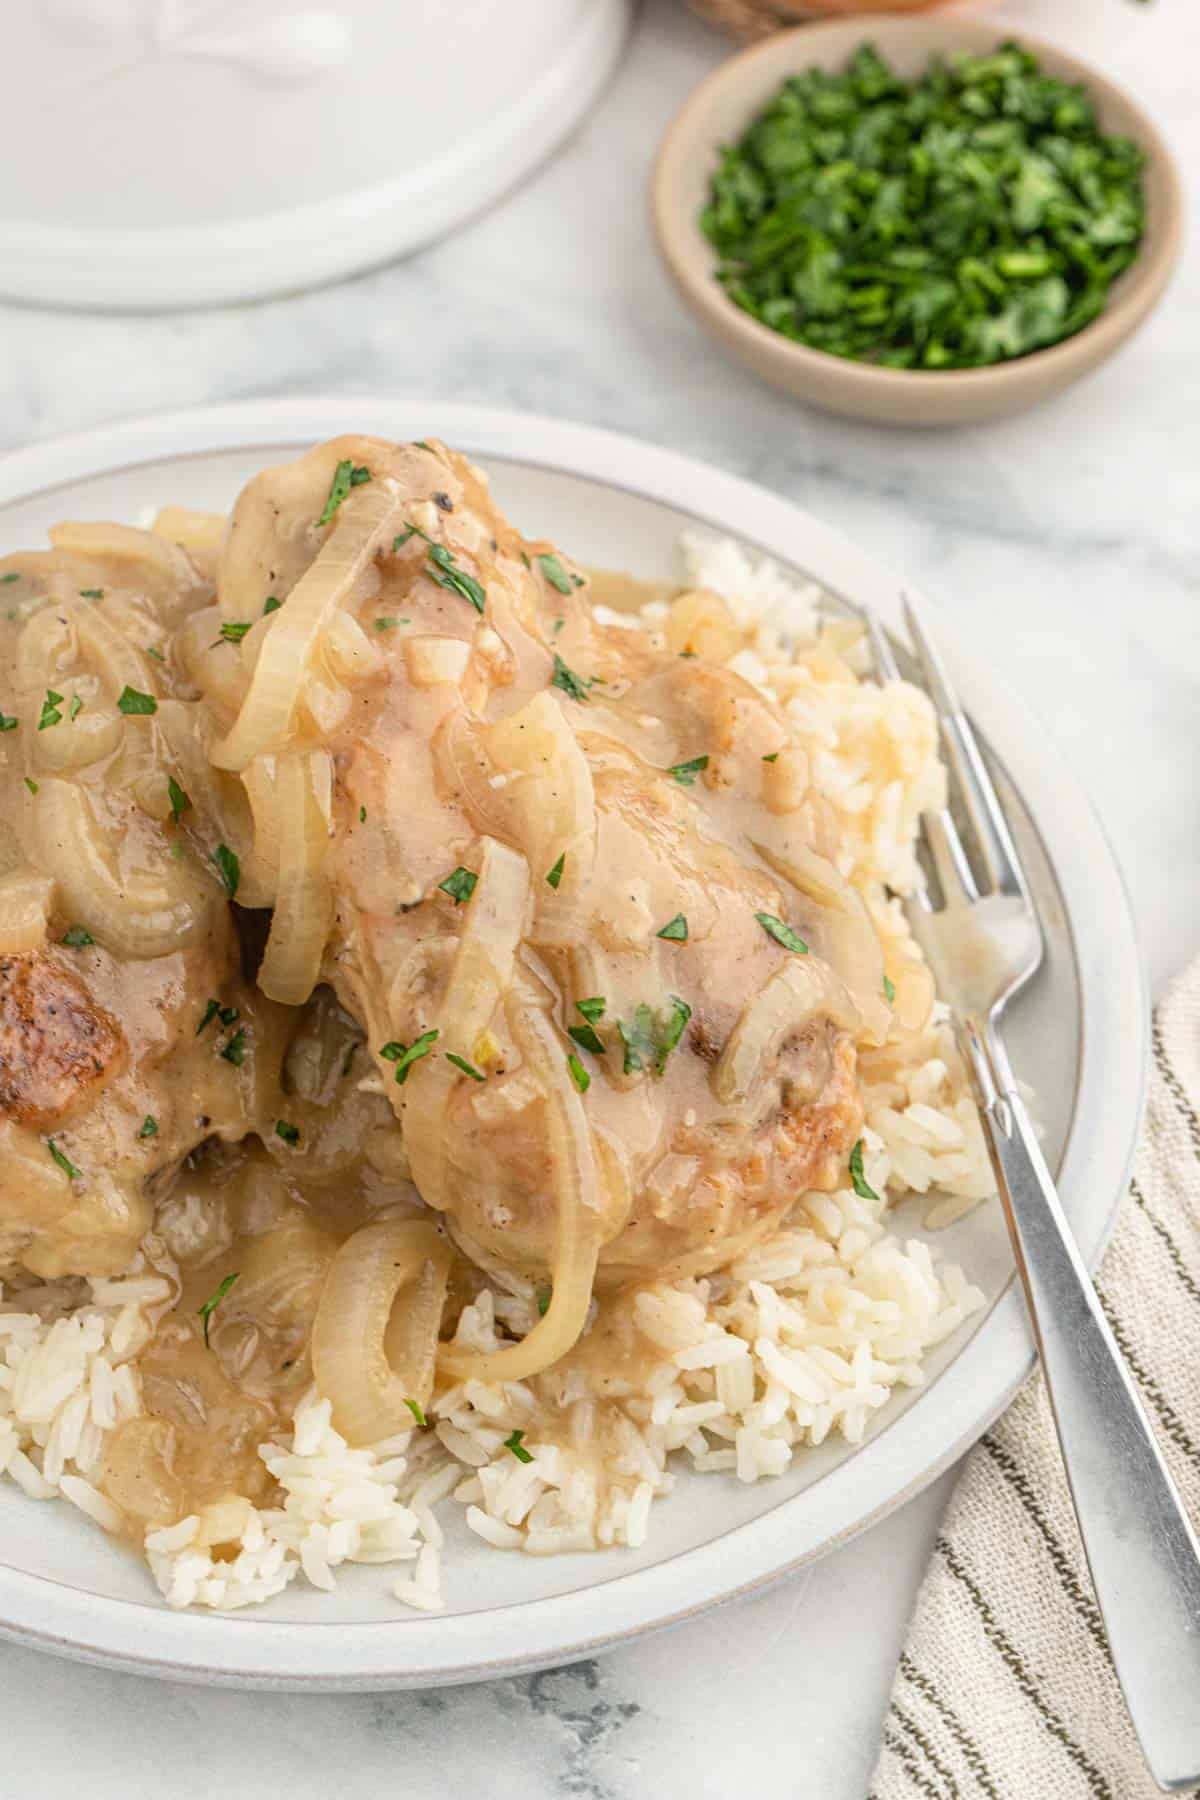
(1005,1688)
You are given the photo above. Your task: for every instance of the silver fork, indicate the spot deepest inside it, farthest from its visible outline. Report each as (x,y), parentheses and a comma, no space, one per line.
(984,943)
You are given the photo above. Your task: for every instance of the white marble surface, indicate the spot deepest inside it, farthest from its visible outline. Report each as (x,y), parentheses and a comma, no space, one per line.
(1068,538)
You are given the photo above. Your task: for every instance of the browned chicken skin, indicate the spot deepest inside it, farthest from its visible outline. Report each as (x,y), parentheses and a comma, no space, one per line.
(102,1061)
(56,1045)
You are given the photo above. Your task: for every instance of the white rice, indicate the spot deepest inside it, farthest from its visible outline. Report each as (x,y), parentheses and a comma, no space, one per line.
(807,1336)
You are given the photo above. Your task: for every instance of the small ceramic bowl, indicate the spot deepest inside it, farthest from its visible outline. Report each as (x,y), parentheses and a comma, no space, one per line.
(724,104)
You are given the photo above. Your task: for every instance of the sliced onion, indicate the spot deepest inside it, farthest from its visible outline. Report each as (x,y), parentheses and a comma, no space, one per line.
(258,784)
(554,809)
(152,561)
(573,1173)
(367,1366)
(291,641)
(94,734)
(291,964)
(282,1271)
(480,976)
(221,803)
(192,530)
(843,934)
(804,989)
(273,535)
(544,802)
(25,902)
(46,646)
(136,913)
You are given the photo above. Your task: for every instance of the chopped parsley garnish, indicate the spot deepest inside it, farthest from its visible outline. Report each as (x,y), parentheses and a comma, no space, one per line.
(649,1038)
(210,1306)
(401,538)
(227,1014)
(30,783)
(210,1013)
(418,1413)
(228,868)
(152,650)
(8,721)
(961,216)
(556,873)
(362,815)
(889,989)
(518,1449)
(179,800)
(234,630)
(64,1162)
(135,704)
(416,1050)
(345,477)
(586,1036)
(544,1298)
(392,1052)
(578,1073)
(576,686)
(11,576)
(783,934)
(75,708)
(673,1030)
(271,604)
(50,712)
(77,937)
(774,757)
(460,1062)
(149,1127)
(289,1133)
(460,885)
(685,773)
(91,593)
(235,1050)
(443,570)
(385,624)
(554,572)
(861,1185)
(675,930)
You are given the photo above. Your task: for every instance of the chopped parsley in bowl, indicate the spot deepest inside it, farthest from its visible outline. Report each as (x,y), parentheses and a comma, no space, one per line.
(957,219)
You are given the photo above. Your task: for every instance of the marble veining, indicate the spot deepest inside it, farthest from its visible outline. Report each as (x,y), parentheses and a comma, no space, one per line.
(1068,542)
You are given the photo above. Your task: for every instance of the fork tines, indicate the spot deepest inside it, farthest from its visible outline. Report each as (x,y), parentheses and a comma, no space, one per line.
(999,863)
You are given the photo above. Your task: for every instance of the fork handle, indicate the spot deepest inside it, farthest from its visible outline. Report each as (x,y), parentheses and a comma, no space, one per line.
(1141,1550)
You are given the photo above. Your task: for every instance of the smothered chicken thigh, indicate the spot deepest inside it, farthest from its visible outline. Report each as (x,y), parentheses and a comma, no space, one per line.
(120,972)
(572,880)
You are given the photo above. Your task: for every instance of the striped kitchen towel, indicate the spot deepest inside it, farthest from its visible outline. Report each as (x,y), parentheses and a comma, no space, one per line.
(1005,1688)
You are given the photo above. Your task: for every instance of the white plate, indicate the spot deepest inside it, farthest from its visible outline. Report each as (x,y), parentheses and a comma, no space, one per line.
(191,152)
(1080,1036)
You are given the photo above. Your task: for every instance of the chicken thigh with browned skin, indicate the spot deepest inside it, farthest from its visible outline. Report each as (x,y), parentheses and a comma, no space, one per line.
(108,1078)
(579,889)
